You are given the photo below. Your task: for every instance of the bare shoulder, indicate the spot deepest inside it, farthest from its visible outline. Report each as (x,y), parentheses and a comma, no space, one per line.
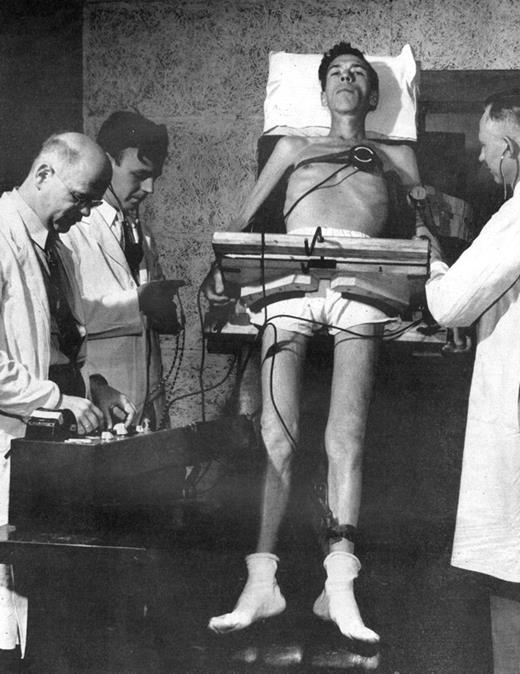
(401,159)
(290,147)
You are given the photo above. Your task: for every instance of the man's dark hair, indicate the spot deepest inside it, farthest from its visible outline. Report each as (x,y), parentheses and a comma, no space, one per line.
(339,50)
(123,130)
(504,106)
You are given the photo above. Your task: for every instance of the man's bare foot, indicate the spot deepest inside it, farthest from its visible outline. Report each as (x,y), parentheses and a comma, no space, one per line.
(260,598)
(337,601)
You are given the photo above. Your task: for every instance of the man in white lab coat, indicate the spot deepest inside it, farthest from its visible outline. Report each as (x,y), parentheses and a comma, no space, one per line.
(483,287)
(42,323)
(127,300)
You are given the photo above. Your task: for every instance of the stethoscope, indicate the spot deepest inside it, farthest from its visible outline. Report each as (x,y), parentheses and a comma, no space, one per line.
(501,171)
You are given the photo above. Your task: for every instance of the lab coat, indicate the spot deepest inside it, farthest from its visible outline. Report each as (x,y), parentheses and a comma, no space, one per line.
(483,286)
(25,331)
(25,334)
(120,347)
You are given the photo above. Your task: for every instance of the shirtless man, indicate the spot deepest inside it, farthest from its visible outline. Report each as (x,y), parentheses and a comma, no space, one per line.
(344,199)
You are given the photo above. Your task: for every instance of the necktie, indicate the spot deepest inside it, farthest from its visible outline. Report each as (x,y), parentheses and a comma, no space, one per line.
(58,292)
(132,245)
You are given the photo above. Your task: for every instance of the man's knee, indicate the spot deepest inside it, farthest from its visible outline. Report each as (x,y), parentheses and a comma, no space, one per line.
(279,439)
(344,445)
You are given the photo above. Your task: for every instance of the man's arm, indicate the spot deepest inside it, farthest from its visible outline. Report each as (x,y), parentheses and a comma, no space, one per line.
(110,309)
(457,296)
(402,178)
(21,392)
(281,158)
(112,315)
(402,160)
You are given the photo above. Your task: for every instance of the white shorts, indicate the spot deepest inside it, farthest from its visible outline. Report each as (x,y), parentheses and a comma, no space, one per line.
(312,312)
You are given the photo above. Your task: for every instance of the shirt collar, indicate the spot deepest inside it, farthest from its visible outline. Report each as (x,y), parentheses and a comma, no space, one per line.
(107,212)
(37,230)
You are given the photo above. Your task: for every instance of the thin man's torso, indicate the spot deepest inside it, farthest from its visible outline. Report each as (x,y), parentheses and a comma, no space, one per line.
(351,199)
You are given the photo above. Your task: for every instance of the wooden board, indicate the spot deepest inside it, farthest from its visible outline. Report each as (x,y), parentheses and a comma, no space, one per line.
(264,269)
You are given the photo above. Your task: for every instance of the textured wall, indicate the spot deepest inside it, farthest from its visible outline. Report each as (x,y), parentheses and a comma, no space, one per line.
(200,67)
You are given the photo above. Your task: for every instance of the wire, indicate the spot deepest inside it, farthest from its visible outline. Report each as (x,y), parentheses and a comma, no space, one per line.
(317,186)
(391,336)
(502,176)
(175,367)
(353,335)
(206,390)
(174,360)
(202,356)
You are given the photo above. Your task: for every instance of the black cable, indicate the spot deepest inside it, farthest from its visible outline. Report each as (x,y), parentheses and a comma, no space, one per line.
(271,391)
(202,355)
(176,363)
(317,186)
(206,390)
(179,349)
(262,271)
(174,360)
(503,178)
(349,331)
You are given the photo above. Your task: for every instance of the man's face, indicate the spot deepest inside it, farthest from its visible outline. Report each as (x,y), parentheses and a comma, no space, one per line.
(133,178)
(347,86)
(492,141)
(72,195)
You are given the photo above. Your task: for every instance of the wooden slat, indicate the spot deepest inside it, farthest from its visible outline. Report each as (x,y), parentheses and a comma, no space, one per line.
(244,270)
(247,244)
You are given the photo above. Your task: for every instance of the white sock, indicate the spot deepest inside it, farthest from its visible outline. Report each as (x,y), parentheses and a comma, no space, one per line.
(260,598)
(337,601)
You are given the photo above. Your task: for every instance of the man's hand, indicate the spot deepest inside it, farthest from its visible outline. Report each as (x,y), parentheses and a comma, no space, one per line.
(213,287)
(424,225)
(112,403)
(156,302)
(423,232)
(88,417)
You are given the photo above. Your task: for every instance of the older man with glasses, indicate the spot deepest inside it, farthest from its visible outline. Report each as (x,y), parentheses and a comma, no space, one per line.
(42,333)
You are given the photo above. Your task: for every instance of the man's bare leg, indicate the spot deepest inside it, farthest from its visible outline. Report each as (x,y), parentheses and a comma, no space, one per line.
(352,383)
(283,354)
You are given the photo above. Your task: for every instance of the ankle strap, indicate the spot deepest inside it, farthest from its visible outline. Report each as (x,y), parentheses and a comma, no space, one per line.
(336,532)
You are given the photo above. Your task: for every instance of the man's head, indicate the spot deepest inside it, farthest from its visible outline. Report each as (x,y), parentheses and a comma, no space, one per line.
(499,136)
(137,149)
(345,73)
(67,179)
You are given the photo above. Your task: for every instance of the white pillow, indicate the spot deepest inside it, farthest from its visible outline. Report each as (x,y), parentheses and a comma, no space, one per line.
(293,96)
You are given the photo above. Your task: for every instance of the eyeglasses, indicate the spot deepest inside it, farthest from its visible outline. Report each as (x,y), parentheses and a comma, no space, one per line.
(80,200)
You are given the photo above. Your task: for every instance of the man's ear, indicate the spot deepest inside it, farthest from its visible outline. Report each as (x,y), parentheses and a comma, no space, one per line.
(42,173)
(324,100)
(373,100)
(112,160)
